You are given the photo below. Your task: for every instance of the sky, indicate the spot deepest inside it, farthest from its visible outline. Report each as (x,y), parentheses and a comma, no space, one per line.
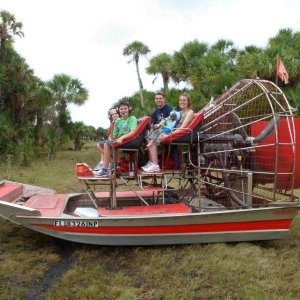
(85,38)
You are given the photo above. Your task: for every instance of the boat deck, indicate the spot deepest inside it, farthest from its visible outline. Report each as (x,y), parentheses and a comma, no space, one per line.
(176,208)
(10,192)
(48,205)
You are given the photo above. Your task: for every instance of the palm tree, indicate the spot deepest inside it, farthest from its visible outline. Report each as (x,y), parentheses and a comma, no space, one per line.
(65,90)
(8,29)
(185,62)
(218,68)
(40,103)
(225,47)
(161,64)
(286,44)
(252,62)
(135,50)
(19,79)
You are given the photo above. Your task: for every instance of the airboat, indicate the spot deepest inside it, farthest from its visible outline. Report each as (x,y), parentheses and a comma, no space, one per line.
(236,182)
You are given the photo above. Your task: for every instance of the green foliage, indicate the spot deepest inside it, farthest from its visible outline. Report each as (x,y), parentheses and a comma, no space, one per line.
(78,132)
(22,262)
(8,26)
(25,147)
(186,61)
(198,99)
(293,95)
(101,133)
(286,44)
(135,50)
(90,133)
(34,115)
(138,111)
(161,64)
(65,90)
(17,142)
(7,134)
(52,141)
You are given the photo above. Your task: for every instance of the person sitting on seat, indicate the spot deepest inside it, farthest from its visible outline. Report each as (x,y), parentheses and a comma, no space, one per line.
(187,115)
(113,116)
(162,111)
(124,126)
(164,127)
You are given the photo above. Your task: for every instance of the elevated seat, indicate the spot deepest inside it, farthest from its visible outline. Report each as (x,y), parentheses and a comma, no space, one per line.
(186,135)
(135,140)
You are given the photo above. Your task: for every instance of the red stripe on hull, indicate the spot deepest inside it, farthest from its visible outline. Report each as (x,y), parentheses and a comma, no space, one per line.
(178,229)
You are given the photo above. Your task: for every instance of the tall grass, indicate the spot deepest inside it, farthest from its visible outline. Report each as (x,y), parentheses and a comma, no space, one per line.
(258,270)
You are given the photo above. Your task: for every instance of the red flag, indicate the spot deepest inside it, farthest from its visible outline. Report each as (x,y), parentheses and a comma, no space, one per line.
(281,71)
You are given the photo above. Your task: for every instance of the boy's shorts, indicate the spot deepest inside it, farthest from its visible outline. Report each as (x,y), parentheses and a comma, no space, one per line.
(108,142)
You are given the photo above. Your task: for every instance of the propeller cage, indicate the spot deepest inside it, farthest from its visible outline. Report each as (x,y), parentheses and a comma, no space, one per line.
(246,146)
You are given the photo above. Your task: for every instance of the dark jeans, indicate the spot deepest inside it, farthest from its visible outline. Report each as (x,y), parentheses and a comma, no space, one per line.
(175,156)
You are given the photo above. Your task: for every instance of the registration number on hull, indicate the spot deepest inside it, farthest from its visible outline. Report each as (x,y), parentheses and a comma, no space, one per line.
(76,223)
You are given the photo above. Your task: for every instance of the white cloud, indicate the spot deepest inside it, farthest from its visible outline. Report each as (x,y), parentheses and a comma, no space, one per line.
(85,39)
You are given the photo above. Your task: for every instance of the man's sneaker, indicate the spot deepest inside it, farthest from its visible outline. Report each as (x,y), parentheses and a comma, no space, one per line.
(152,168)
(147,165)
(103,173)
(99,166)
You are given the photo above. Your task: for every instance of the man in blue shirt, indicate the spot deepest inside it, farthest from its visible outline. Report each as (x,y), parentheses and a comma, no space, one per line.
(162,111)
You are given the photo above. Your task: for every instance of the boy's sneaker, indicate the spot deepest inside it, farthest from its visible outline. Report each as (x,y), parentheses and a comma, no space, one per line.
(99,166)
(111,166)
(103,173)
(147,165)
(152,168)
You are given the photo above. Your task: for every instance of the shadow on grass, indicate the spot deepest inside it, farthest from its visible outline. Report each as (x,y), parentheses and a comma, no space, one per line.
(66,252)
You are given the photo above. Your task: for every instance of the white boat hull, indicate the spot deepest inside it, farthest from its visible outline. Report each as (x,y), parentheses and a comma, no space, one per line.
(225,226)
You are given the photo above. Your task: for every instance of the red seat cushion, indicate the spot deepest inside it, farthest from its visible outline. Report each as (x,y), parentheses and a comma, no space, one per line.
(137,137)
(185,135)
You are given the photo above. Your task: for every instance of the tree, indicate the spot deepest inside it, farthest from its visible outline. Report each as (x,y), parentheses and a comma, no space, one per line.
(161,64)
(19,80)
(40,102)
(101,133)
(8,29)
(65,90)
(252,62)
(135,50)
(90,133)
(286,44)
(185,62)
(78,132)
(216,69)
(208,70)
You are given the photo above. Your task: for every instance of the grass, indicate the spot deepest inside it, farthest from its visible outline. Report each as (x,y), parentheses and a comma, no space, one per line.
(260,270)
(57,174)
(25,257)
